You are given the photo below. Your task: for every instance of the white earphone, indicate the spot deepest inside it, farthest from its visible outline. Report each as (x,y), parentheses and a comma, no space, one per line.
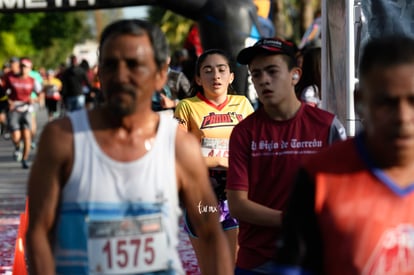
(295,76)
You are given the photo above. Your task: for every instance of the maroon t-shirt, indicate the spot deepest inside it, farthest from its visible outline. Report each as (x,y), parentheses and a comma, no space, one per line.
(264,158)
(20,88)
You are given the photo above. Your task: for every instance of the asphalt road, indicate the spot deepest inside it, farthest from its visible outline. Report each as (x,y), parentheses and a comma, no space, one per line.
(13,188)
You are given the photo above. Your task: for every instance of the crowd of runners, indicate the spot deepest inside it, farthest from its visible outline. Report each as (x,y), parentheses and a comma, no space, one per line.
(270,189)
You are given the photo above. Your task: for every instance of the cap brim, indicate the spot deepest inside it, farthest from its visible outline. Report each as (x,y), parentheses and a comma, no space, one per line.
(246,55)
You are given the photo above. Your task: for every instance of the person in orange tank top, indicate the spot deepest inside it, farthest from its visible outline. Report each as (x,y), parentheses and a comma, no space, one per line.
(351,209)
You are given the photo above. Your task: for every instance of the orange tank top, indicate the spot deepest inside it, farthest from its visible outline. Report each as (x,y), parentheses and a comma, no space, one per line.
(366,220)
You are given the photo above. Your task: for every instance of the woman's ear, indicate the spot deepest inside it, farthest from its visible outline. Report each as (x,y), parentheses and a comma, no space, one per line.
(197,80)
(231,78)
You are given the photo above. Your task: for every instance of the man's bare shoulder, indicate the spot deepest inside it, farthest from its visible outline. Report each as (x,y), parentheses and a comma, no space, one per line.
(60,127)
(57,137)
(55,150)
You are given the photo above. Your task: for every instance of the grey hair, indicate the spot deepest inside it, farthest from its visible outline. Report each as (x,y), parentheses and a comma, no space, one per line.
(140,27)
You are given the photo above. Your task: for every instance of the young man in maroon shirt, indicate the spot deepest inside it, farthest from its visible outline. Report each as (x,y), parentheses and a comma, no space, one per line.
(266,149)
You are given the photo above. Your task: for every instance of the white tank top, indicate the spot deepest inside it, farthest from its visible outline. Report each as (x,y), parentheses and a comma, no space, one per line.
(119,217)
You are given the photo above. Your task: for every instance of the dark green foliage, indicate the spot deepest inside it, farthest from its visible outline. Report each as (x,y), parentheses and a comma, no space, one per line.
(47,38)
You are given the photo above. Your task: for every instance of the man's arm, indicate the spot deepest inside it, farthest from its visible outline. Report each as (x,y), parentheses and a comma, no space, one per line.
(238,175)
(249,211)
(167,103)
(196,191)
(45,182)
(214,162)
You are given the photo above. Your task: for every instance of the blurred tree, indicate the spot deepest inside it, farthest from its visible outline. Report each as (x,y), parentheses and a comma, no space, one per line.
(56,34)
(281,20)
(308,10)
(155,14)
(15,29)
(47,38)
(293,17)
(286,19)
(9,46)
(174,26)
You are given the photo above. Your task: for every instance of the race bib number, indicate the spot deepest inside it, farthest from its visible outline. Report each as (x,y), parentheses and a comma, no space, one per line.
(128,246)
(215,147)
(50,90)
(21,107)
(52,93)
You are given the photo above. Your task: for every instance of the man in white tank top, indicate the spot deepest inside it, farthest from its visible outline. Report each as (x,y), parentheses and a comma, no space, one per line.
(105,186)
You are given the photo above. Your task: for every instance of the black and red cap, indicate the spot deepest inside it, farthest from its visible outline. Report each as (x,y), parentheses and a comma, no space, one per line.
(267,46)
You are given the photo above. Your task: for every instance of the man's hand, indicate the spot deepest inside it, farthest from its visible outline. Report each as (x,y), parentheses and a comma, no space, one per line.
(166,102)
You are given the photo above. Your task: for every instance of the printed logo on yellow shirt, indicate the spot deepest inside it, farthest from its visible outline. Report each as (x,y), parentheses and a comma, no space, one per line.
(213,120)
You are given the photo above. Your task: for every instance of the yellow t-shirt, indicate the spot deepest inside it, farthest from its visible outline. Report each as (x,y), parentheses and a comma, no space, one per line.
(212,124)
(51,87)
